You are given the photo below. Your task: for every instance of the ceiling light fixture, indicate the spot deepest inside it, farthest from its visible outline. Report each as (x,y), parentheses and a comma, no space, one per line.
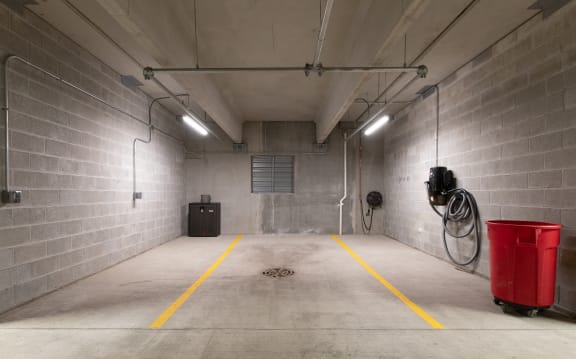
(195,124)
(376,125)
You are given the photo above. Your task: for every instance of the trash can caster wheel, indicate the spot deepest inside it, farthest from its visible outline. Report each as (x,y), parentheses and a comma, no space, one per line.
(497,301)
(532,313)
(508,309)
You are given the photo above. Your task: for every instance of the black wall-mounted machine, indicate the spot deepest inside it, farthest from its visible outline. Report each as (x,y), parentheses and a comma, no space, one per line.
(440,182)
(460,208)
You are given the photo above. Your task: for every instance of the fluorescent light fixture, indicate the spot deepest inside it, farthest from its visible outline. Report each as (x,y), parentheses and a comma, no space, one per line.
(376,125)
(194,123)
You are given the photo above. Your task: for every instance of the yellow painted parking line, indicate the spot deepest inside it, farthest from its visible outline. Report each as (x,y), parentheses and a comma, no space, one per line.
(162,318)
(416,309)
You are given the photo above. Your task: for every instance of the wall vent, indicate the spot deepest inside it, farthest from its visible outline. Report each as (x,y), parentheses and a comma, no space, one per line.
(272,174)
(239,147)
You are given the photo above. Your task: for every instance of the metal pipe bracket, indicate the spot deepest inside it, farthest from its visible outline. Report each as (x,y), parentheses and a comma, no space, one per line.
(422,71)
(148,73)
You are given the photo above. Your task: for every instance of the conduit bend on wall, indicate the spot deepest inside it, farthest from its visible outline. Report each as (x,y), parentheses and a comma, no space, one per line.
(6,192)
(138,195)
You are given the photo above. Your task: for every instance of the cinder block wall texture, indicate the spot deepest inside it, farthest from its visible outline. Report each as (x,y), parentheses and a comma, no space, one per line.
(508,131)
(72,158)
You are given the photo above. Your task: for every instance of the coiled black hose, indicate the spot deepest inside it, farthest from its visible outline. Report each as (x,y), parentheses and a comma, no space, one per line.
(461,207)
(366,228)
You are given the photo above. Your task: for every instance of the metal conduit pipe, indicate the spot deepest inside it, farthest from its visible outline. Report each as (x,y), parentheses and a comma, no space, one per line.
(182,106)
(382,102)
(364,101)
(322,33)
(7,194)
(74,86)
(382,110)
(504,36)
(421,70)
(138,195)
(341,203)
(427,49)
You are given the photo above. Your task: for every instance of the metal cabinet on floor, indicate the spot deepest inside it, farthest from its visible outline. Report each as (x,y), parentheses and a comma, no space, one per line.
(203,219)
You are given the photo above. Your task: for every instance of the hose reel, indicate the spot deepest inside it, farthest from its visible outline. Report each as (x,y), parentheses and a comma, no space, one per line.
(374,200)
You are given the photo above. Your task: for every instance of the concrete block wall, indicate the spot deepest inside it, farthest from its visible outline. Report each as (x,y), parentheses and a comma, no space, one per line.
(508,131)
(72,158)
(318,181)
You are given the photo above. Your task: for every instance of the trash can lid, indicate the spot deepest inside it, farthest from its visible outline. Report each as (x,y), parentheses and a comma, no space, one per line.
(534,224)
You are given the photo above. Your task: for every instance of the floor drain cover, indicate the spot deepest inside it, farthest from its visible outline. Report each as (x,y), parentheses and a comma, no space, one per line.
(278,272)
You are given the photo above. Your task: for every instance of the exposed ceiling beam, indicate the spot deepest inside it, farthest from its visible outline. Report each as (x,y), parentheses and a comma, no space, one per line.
(202,89)
(372,38)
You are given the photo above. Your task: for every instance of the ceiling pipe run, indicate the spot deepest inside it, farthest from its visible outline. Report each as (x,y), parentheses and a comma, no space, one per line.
(322,33)
(382,102)
(421,70)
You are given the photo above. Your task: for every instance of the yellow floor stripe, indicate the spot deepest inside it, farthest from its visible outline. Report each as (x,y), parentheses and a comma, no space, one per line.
(416,309)
(162,318)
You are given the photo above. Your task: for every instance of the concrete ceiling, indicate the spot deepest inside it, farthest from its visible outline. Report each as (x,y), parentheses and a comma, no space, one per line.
(131,34)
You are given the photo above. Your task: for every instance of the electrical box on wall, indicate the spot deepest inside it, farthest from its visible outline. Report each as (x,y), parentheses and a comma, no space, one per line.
(11,196)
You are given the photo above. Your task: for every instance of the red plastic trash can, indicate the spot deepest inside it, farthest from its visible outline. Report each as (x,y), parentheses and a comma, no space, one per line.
(523,263)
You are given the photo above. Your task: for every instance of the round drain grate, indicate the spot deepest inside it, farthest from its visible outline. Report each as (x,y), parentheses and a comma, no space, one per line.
(278,272)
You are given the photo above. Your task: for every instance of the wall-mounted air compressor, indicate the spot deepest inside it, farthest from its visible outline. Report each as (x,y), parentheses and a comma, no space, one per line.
(440,182)
(460,208)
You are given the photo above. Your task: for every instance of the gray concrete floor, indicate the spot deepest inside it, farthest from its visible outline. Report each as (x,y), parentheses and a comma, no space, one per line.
(331,308)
